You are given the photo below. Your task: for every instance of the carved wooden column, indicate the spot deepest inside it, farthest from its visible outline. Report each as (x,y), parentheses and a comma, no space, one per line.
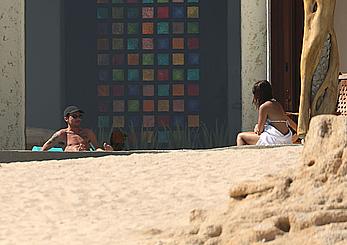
(319,63)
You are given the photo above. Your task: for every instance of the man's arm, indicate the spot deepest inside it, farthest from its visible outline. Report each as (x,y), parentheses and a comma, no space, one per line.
(56,137)
(93,141)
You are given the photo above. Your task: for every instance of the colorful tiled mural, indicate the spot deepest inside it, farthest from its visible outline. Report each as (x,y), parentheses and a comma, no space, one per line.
(148,66)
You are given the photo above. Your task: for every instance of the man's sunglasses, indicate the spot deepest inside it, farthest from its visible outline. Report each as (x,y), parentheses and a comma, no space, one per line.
(75,116)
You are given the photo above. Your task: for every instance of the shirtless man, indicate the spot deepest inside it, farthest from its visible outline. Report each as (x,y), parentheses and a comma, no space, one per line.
(74,138)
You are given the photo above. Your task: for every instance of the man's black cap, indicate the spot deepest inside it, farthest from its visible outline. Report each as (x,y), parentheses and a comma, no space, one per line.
(72,109)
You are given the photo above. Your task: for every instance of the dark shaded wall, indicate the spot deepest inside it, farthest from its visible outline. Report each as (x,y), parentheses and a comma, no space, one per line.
(71,69)
(44,63)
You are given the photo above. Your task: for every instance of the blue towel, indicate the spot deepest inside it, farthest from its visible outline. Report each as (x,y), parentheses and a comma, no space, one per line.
(55,149)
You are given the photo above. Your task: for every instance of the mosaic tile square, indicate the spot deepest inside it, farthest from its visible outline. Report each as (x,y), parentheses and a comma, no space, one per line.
(117,43)
(193,90)
(133,105)
(193,43)
(148,136)
(164,121)
(133,75)
(118,122)
(133,28)
(178,121)
(178,43)
(147,74)
(148,105)
(104,75)
(178,105)
(134,121)
(163,90)
(178,74)
(102,13)
(147,59)
(102,28)
(178,59)
(148,1)
(193,27)
(117,12)
(133,59)
(162,1)
(148,90)
(117,1)
(147,28)
(178,90)
(163,137)
(193,121)
(118,106)
(193,59)
(133,44)
(192,1)
(193,12)
(103,59)
(193,105)
(118,90)
(178,1)
(103,121)
(118,75)
(163,75)
(163,12)
(177,11)
(133,90)
(163,43)
(148,121)
(178,27)
(147,12)
(163,105)
(103,106)
(147,43)
(132,1)
(117,28)
(193,74)
(163,59)
(133,12)
(163,28)
(103,90)
(118,59)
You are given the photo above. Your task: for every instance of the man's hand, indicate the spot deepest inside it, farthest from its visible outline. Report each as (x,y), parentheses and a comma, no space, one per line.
(107,147)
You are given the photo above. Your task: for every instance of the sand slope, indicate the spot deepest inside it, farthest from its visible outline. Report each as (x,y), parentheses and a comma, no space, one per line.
(125,199)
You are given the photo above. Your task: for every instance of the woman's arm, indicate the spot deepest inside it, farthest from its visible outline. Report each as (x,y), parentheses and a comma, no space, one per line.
(292,124)
(262,115)
(93,141)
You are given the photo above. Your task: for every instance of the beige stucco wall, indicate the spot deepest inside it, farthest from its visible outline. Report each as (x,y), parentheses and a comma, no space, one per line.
(253,55)
(341,32)
(12,78)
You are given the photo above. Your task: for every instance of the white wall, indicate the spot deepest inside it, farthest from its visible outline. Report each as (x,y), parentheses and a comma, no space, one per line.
(12,75)
(253,55)
(341,32)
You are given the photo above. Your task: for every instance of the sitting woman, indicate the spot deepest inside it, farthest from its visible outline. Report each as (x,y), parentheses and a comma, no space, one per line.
(273,125)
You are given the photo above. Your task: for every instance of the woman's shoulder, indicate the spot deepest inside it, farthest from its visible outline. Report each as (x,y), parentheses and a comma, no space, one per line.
(266,104)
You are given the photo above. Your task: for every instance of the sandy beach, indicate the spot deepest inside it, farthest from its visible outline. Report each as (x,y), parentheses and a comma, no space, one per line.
(119,199)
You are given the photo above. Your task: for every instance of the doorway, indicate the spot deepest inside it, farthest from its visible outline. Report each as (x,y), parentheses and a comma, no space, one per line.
(287,27)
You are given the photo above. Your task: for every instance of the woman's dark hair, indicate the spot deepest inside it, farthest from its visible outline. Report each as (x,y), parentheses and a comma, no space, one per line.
(262,92)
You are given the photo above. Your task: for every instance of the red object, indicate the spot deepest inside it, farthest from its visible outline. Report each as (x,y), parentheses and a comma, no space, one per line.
(163,12)
(193,43)
(193,90)
(163,74)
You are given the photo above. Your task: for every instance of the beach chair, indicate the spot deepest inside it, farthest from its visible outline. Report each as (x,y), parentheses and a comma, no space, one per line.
(53,149)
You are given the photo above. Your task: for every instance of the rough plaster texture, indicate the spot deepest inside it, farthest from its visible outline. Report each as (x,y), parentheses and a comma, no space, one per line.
(12,76)
(253,55)
(341,32)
